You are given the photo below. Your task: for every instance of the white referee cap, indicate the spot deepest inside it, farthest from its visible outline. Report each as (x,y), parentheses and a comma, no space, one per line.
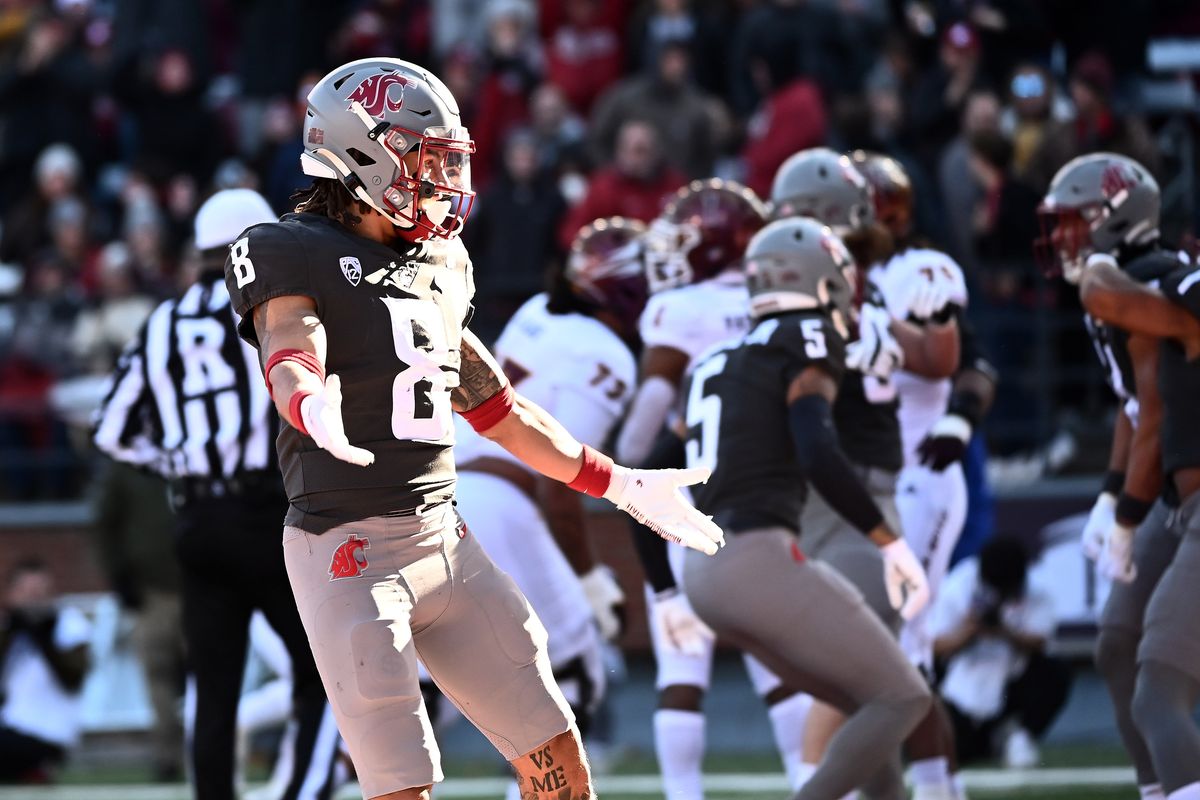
(227,213)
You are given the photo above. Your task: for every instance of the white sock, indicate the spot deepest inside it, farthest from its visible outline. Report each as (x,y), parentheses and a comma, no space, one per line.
(513,792)
(931,773)
(804,771)
(787,721)
(1151,791)
(679,743)
(1189,792)
(960,788)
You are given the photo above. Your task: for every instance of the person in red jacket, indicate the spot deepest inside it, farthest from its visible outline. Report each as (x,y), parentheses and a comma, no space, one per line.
(791,118)
(634,185)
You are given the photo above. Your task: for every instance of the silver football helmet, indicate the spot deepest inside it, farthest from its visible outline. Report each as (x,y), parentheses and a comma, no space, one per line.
(365,117)
(798,264)
(825,185)
(1096,204)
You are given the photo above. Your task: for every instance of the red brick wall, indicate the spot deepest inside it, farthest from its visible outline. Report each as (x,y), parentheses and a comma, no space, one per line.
(66,549)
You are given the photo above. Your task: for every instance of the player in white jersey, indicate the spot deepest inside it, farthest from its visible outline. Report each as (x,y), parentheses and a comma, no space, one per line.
(698,299)
(932,503)
(566,351)
(937,415)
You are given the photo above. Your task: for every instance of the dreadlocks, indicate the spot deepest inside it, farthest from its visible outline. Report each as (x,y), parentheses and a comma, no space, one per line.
(331,199)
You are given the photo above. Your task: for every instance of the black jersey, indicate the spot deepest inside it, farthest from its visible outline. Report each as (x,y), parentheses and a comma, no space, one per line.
(1112,343)
(1179,379)
(865,415)
(737,420)
(393,321)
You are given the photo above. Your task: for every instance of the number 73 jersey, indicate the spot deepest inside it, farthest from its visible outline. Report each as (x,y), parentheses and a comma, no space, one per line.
(738,424)
(393,321)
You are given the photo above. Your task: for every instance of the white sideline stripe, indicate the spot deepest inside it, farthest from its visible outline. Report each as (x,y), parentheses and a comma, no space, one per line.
(732,783)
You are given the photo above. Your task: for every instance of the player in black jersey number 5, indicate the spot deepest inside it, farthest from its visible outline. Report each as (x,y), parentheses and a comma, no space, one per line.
(758,415)
(358,305)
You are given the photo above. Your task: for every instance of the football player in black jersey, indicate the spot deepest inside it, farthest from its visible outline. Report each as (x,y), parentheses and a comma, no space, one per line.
(872,211)
(1101,218)
(358,304)
(759,415)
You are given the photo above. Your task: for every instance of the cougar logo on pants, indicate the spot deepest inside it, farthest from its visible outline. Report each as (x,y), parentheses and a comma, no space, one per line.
(349,560)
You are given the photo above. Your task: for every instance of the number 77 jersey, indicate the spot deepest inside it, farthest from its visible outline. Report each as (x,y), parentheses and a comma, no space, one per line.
(738,425)
(393,321)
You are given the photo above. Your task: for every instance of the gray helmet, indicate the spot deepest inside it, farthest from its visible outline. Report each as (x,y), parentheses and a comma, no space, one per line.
(824,185)
(798,264)
(365,117)
(1096,204)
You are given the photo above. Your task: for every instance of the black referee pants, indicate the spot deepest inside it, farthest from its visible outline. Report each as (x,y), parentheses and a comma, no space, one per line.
(1033,699)
(231,554)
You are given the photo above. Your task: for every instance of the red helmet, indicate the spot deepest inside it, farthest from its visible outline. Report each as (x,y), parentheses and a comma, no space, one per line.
(704,230)
(892,189)
(605,268)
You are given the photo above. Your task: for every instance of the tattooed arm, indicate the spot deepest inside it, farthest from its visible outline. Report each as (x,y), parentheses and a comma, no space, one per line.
(527,431)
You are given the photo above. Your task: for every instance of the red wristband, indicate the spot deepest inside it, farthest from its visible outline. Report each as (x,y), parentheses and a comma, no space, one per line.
(488,414)
(594,475)
(301,357)
(294,411)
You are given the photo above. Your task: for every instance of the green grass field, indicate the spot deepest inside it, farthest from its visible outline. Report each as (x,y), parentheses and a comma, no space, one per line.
(630,776)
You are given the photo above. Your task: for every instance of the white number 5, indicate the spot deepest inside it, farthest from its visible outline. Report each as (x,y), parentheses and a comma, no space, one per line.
(420,396)
(814,338)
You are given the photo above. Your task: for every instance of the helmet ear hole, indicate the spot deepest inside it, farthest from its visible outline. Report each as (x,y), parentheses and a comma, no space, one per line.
(360,158)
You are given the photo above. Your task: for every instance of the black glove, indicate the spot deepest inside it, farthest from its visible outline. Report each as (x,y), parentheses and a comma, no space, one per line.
(945,443)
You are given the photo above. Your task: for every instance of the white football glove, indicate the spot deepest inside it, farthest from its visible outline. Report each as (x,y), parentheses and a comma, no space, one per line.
(907,587)
(1102,517)
(876,352)
(684,632)
(605,597)
(1116,560)
(321,413)
(929,297)
(652,497)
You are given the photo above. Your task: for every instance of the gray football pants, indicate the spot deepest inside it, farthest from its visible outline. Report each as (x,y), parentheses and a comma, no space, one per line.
(825,535)
(1168,681)
(812,629)
(1154,545)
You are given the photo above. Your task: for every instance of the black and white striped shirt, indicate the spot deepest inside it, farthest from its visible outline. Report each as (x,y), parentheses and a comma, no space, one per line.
(187,398)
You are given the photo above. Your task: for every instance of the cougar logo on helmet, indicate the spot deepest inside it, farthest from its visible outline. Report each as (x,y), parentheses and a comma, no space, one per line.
(377,96)
(1117,178)
(349,560)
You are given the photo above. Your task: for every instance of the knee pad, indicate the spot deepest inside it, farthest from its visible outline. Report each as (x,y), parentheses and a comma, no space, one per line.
(383,670)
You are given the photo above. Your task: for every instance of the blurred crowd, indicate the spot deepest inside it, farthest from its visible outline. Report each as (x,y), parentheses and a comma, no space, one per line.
(118,117)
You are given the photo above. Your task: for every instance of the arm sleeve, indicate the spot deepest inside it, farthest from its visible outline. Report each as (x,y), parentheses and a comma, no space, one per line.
(667,453)
(826,466)
(267,261)
(121,427)
(647,413)
(972,355)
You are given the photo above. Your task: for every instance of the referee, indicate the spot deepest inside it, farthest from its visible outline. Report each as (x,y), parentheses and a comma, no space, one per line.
(188,401)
